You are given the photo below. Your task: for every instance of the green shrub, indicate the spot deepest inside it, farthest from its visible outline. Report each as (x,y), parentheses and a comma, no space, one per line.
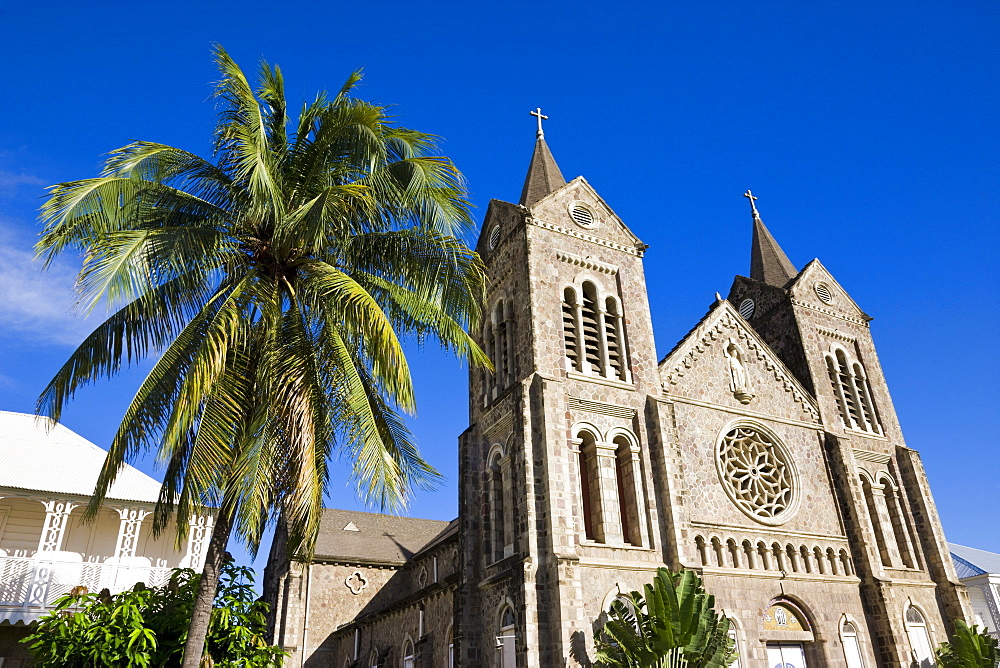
(969,648)
(147,626)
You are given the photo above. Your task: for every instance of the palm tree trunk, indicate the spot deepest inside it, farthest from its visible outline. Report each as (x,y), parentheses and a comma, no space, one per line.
(201,614)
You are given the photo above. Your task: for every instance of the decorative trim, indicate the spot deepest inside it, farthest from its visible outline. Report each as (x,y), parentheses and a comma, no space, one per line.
(600,380)
(836,334)
(356,582)
(586,263)
(869,456)
(673,398)
(631,250)
(778,575)
(601,408)
(769,533)
(705,336)
(829,311)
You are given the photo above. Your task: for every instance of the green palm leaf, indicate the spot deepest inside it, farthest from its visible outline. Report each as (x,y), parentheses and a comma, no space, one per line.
(275,284)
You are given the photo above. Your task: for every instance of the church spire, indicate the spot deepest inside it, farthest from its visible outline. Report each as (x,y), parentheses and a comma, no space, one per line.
(768,263)
(543,176)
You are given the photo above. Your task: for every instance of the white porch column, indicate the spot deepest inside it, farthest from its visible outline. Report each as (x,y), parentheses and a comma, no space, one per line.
(56,518)
(199,535)
(128,530)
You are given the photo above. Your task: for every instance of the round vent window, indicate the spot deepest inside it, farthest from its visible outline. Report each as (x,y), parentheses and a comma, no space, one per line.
(823,292)
(583,216)
(746,308)
(494,236)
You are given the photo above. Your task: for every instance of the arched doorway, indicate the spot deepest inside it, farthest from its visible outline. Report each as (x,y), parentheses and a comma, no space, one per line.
(787,631)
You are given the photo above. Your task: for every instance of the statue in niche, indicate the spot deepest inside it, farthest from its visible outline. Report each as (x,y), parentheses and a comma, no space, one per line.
(739,385)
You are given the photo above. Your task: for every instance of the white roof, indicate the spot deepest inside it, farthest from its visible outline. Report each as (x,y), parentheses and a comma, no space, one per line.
(40,456)
(970,561)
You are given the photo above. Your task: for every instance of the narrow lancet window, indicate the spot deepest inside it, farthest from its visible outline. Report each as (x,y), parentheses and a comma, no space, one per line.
(591,330)
(612,333)
(571,337)
(626,476)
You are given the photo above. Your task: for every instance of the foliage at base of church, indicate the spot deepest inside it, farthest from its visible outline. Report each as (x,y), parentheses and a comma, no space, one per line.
(147,626)
(671,623)
(969,648)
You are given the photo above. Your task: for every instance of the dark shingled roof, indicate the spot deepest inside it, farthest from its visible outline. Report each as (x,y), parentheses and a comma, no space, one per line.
(768,263)
(543,177)
(381,539)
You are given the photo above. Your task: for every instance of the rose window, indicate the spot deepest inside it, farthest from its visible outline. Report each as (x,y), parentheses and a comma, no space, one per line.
(757,474)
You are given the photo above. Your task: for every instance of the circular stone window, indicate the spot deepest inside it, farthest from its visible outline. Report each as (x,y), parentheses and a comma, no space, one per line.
(583,215)
(746,308)
(494,236)
(757,473)
(824,293)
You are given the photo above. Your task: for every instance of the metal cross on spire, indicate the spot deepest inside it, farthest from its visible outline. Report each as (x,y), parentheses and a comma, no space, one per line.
(753,207)
(538,112)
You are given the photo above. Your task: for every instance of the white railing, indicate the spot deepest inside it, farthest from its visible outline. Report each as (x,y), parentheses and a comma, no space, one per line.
(37,581)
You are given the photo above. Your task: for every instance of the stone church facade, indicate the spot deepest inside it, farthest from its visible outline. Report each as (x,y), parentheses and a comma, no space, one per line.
(762,451)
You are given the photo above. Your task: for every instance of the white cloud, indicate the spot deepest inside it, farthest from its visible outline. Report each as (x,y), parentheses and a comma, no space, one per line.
(36,306)
(10,181)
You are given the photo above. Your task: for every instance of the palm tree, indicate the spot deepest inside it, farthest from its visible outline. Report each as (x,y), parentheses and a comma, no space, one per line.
(671,624)
(273,283)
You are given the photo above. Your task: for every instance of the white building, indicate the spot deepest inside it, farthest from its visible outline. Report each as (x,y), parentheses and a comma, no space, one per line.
(47,474)
(979,571)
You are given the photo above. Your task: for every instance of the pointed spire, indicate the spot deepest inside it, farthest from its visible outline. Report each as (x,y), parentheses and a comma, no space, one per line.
(768,263)
(543,176)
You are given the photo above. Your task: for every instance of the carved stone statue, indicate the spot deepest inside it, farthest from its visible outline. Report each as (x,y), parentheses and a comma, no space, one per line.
(739,385)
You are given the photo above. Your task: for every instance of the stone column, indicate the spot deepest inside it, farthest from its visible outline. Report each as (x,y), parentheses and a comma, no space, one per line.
(507,489)
(128,531)
(885,524)
(607,480)
(56,518)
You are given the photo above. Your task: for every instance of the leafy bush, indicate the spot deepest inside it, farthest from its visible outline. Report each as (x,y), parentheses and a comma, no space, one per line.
(674,619)
(147,627)
(969,648)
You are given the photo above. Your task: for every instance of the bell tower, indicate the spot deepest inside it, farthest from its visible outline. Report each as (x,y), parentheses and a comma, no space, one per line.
(554,466)
(898,544)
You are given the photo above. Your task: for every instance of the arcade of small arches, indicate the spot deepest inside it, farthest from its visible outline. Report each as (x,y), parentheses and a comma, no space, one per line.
(729,552)
(888,521)
(610,489)
(593,333)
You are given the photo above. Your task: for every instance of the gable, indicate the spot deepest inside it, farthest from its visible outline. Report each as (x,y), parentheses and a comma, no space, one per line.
(723,361)
(556,209)
(815,288)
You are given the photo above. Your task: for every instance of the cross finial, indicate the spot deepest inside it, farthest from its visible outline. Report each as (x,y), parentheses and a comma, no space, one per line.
(538,113)
(753,207)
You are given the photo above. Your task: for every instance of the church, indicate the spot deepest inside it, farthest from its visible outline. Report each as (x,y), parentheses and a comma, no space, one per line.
(763,452)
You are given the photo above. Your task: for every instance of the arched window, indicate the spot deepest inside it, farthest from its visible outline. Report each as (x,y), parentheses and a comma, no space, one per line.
(498,507)
(920,640)
(873,515)
(590,492)
(614,340)
(735,637)
(571,326)
(502,346)
(627,475)
(451,647)
(373,660)
(591,330)
(853,393)
(852,647)
(507,640)
(897,517)
(490,348)
(409,656)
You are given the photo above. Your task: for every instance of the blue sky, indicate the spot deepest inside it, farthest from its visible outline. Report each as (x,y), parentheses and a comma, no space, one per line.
(867,130)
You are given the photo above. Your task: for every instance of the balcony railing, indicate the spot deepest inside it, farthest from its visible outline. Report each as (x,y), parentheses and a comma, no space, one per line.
(36,582)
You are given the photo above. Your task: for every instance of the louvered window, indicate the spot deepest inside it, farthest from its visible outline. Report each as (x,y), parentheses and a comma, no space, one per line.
(570,335)
(612,329)
(854,399)
(591,329)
